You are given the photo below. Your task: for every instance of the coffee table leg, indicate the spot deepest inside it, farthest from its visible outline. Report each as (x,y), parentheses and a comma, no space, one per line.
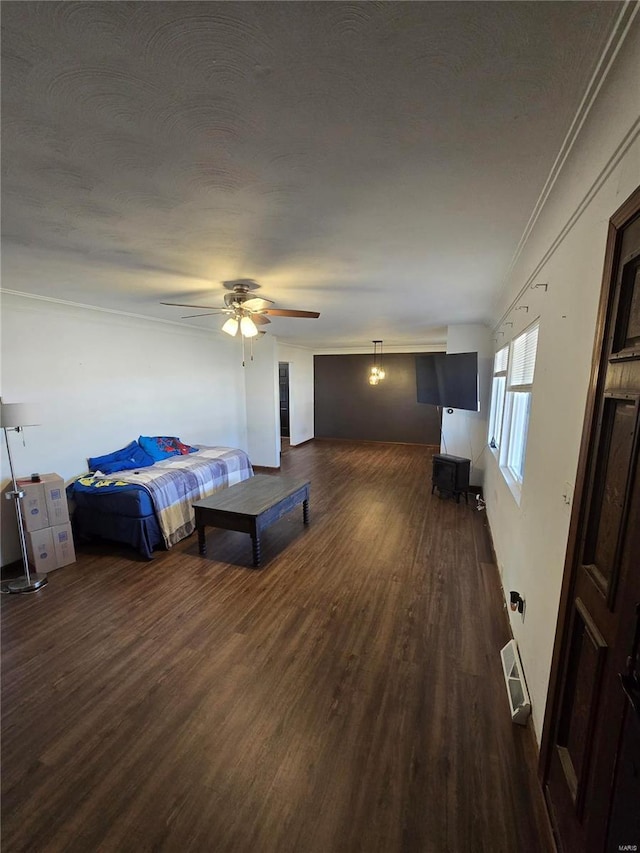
(257,551)
(305,511)
(202,542)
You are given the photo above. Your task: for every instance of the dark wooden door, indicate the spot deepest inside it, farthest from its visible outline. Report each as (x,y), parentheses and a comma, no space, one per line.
(283,372)
(590,757)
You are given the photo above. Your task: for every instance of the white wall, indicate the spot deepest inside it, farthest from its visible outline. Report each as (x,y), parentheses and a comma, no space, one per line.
(465,433)
(263,403)
(102,379)
(566,251)
(300,361)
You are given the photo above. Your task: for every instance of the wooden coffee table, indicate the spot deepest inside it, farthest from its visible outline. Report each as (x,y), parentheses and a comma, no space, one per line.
(251,506)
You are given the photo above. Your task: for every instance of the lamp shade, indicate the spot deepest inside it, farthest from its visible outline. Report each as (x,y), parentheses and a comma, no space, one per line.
(231,326)
(14,415)
(248,327)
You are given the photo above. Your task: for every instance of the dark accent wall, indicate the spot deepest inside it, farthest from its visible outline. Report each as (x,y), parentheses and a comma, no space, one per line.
(346,406)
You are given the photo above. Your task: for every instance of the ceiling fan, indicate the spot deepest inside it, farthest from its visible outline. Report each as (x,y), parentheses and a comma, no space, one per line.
(245,312)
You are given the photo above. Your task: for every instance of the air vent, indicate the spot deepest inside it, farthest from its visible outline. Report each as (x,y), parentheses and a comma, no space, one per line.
(518,695)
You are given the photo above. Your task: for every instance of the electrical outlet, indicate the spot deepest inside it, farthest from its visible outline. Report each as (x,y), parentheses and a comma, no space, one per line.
(517,602)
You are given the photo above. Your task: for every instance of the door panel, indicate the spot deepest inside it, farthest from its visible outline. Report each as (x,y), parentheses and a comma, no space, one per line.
(611,488)
(584,673)
(589,743)
(625,813)
(627,339)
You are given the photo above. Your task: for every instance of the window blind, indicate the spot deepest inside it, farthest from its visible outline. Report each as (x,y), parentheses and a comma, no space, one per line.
(523,358)
(500,361)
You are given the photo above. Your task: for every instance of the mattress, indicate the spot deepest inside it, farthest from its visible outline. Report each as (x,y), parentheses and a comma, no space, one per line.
(132,503)
(154,505)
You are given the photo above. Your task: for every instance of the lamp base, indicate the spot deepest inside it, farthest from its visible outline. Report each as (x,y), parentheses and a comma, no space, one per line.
(23,585)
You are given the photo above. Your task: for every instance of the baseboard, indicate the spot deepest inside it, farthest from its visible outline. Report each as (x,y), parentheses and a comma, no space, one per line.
(265,469)
(495,559)
(373,441)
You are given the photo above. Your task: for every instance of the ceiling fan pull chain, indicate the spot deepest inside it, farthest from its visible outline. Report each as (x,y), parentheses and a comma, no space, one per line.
(242,336)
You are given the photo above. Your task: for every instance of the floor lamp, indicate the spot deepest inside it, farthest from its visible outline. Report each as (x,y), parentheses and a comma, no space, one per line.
(14,417)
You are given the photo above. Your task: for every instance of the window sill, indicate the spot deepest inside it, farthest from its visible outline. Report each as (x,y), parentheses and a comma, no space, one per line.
(514,486)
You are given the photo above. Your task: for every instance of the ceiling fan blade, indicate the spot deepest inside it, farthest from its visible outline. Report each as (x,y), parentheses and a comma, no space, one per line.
(287,312)
(206,314)
(187,305)
(259,320)
(256,303)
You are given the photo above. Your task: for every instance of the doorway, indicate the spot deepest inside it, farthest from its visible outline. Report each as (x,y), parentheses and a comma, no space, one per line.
(590,752)
(283,377)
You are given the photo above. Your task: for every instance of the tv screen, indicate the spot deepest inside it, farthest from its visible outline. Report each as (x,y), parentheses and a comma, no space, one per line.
(448,379)
(429,376)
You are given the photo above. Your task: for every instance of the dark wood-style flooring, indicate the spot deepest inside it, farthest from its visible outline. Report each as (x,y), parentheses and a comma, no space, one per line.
(348,696)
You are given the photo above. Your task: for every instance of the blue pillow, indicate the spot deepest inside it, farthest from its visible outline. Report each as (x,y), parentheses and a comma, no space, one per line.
(164,446)
(125,459)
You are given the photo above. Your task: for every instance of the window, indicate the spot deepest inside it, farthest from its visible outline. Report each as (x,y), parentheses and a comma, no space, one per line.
(498,389)
(516,444)
(513,371)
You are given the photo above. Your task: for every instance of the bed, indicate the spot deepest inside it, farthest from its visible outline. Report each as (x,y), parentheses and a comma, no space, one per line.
(152,506)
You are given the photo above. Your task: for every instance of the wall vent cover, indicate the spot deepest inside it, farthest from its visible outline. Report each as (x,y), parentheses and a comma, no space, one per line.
(517,693)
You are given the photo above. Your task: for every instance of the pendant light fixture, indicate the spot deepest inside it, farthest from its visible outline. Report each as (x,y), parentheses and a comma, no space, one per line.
(377,372)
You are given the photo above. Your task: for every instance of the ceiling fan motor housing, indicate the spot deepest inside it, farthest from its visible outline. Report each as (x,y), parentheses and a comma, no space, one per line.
(240,288)
(241,285)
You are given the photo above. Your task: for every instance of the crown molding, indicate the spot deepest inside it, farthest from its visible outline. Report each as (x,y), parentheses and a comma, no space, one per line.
(614,43)
(70,304)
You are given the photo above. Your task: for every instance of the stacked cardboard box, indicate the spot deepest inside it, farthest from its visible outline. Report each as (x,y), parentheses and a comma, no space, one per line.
(45,514)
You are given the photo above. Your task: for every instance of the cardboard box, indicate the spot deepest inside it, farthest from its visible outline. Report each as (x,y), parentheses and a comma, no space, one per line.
(41,550)
(63,545)
(33,505)
(56,499)
(50,548)
(44,503)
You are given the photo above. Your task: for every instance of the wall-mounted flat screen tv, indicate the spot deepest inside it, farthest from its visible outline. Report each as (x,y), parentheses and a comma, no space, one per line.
(449,380)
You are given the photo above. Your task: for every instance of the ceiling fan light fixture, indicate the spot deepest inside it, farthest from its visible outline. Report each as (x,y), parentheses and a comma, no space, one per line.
(231,326)
(246,312)
(248,327)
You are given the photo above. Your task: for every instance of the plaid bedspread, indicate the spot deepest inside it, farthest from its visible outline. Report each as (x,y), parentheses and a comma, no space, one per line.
(176,483)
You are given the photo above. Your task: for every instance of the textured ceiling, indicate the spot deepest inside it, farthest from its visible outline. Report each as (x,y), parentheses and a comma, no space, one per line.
(376,162)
